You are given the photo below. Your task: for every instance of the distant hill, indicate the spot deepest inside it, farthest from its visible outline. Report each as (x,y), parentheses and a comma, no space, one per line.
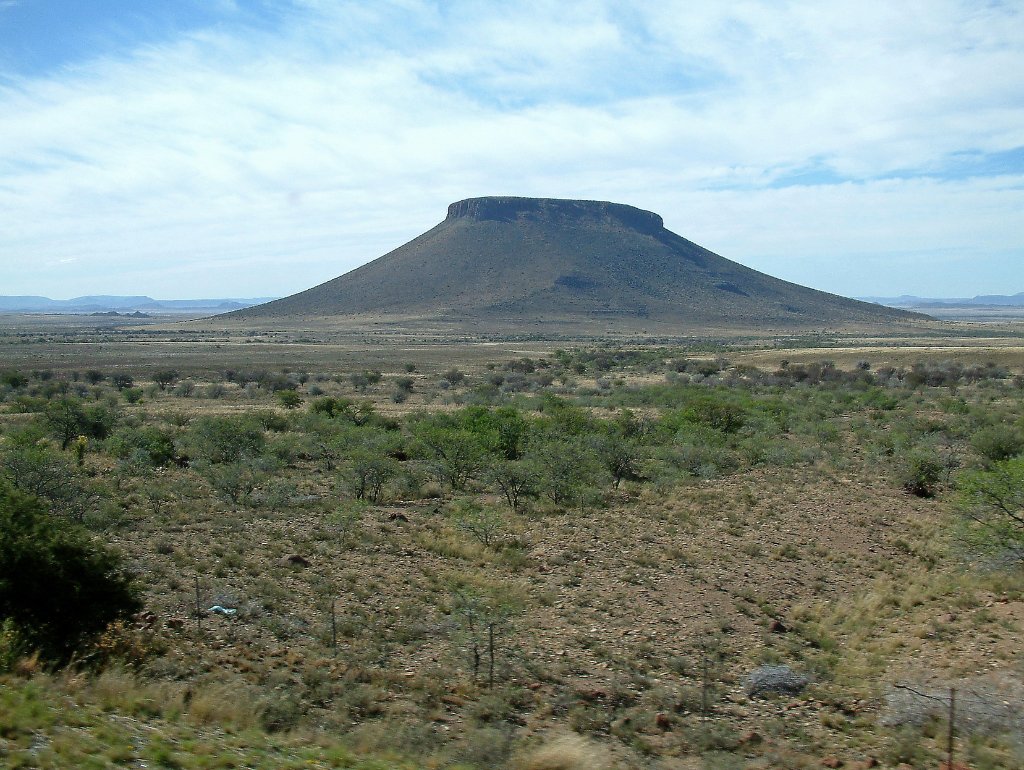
(983,300)
(107,304)
(507,262)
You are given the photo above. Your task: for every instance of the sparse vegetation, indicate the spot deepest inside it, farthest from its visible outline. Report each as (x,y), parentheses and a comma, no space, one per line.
(629,551)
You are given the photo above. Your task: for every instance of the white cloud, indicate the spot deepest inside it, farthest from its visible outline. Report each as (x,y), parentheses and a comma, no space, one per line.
(241,162)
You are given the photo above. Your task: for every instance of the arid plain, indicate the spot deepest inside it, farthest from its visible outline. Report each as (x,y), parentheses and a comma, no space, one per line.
(742,506)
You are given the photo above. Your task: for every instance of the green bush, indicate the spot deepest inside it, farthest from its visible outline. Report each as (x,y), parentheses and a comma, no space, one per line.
(148,443)
(343,408)
(236,480)
(57,586)
(369,469)
(225,439)
(13,646)
(998,442)
(570,469)
(13,379)
(47,474)
(919,472)
(132,395)
(68,418)
(992,502)
(289,399)
(454,455)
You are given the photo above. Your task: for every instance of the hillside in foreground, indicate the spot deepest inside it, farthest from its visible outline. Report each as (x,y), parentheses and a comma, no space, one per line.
(685,561)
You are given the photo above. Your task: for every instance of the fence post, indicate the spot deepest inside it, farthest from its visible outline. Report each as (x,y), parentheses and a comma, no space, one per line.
(334,626)
(952,721)
(199,609)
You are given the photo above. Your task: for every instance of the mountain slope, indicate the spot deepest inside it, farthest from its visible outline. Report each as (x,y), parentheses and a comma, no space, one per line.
(509,260)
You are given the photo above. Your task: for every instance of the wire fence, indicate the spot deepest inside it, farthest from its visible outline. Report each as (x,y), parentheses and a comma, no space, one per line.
(987,705)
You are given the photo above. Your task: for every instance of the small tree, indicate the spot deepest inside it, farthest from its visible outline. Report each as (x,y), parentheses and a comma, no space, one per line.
(370,469)
(517,480)
(148,444)
(620,455)
(919,472)
(68,418)
(225,439)
(165,377)
(483,522)
(13,379)
(403,387)
(58,586)
(993,502)
(234,480)
(289,399)
(344,408)
(346,520)
(570,469)
(65,419)
(359,381)
(483,615)
(998,442)
(46,474)
(454,376)
(122,381)
(132,395)
(454,455)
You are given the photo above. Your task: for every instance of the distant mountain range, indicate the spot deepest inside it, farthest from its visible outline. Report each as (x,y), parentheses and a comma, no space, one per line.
(983,300)
(118,304)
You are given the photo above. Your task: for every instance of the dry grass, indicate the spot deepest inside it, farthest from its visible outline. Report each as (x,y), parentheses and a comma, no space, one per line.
(619,604)
(566,752)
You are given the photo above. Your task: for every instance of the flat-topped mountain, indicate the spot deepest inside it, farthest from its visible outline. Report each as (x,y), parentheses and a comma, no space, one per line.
(510,261)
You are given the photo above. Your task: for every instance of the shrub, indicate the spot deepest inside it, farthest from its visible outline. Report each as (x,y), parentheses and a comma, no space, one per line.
(147,443)
(185,389)
(47,474)
(235,480)
(998,442)
(13,646)
(268,419)
(343,408)
(993,501)
(517,480)
(919,472)
(132,395)
(571,470)
(454,455)
(289,399)
(13,379)
(483,522)
(56,584)
(165,377)
(122,381)
(68,419)
(225,439)
(370,468)
(454,377)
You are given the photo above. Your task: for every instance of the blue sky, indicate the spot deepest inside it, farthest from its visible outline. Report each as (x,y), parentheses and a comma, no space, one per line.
(186,148)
